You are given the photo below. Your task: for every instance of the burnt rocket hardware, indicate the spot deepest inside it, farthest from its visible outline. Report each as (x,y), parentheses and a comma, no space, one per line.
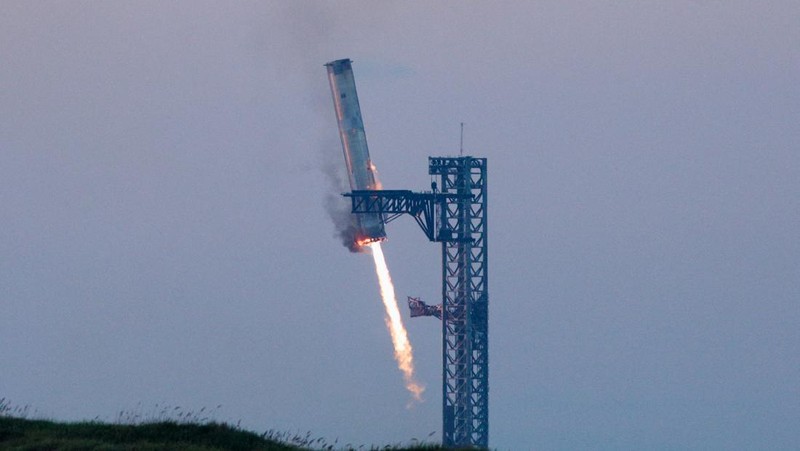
(419,308)
(360,169)
(369,227)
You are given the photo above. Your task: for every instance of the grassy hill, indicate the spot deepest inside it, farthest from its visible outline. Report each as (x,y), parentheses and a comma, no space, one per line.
(39,435)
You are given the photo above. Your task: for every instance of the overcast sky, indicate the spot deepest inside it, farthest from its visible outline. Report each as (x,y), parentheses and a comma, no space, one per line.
(164,237)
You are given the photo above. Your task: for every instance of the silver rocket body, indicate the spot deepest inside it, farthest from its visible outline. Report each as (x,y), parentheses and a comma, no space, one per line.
(360,169)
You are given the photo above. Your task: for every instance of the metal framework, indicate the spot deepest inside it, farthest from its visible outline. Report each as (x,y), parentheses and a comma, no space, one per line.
(455,216)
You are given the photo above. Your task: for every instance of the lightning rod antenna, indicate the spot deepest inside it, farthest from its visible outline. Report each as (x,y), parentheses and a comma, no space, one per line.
(461,146)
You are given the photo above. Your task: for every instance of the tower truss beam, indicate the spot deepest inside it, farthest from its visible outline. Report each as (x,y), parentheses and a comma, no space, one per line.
(394,203)
(465,299)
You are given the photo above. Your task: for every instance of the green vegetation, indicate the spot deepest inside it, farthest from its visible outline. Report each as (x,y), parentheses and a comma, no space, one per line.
(160,432)
(29,435)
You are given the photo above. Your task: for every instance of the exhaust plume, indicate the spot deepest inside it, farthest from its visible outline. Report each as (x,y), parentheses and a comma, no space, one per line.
(403,353)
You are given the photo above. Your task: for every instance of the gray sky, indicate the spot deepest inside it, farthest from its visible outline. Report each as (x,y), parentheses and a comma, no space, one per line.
(163,235)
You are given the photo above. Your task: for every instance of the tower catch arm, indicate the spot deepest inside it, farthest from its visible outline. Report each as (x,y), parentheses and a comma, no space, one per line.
(393,203)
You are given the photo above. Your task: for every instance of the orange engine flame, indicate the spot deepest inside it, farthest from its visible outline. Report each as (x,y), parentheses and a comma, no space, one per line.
(361,242)
(403,353)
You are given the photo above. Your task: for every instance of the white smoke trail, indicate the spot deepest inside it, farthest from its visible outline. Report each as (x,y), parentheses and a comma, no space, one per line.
(403,352)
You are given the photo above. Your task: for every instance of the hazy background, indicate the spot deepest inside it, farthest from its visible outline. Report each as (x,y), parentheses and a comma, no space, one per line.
(164,236)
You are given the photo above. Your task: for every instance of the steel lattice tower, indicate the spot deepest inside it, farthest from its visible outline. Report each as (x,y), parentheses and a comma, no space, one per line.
(465,297)
(455,215)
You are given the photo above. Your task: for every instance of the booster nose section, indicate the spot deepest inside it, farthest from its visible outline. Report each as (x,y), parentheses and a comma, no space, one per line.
(360,170)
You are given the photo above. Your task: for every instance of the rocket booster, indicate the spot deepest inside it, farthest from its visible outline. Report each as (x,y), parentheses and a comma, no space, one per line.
(360,169)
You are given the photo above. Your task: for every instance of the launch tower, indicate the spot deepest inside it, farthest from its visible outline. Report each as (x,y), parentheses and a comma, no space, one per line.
(453,214)
(465,301)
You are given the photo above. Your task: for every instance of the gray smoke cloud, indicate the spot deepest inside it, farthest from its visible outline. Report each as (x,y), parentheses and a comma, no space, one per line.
(309,32)
(336,206)
(310,29)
